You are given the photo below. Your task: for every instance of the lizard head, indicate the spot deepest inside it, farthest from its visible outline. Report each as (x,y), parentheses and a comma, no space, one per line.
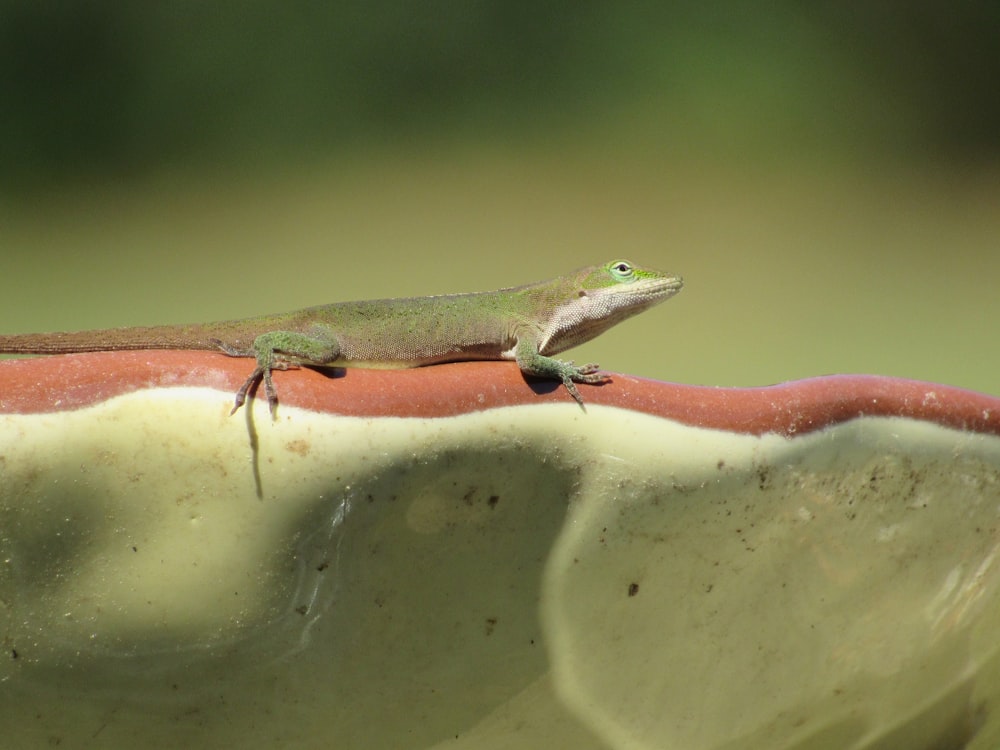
(623,277)
(602,296)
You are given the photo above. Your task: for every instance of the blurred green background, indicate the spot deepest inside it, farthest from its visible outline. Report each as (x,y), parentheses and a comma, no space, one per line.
(825,176)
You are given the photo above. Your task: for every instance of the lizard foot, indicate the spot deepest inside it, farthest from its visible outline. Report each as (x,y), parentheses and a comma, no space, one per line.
(589,373)
(260,372)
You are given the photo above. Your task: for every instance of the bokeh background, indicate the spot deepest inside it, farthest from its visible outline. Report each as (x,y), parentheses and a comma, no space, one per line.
(826,176)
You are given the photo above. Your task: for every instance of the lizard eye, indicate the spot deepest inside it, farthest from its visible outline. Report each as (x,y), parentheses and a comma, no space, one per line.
(621,269)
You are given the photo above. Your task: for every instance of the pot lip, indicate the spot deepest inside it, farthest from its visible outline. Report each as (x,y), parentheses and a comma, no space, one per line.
(68,382)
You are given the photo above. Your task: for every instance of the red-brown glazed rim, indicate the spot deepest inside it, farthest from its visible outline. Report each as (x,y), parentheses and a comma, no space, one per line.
(62,383)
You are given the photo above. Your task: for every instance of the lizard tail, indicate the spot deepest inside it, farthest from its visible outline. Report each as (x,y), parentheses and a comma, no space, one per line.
(119,339)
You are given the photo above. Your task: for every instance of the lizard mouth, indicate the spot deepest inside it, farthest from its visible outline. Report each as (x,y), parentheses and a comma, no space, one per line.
(657,287)
(674,284)
(667,287)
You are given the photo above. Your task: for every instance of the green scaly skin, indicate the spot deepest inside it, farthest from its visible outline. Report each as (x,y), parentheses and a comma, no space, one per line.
(525,323)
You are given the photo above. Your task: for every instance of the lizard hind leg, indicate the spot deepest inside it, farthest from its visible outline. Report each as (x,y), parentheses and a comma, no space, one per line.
(280,350)
(266,363)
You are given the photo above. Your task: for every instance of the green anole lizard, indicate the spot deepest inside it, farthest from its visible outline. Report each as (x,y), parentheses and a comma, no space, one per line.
(524,323)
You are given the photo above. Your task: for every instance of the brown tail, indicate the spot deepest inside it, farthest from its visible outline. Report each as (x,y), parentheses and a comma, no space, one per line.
(117,339)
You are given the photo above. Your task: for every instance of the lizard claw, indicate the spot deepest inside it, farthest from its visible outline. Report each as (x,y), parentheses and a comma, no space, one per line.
(248,384)
(270,392)
(571,387)
(260,373)
(589,373)
(229,349)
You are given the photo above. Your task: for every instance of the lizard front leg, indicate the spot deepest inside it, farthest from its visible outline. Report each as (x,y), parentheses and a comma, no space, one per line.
(279,350)
(532,363)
